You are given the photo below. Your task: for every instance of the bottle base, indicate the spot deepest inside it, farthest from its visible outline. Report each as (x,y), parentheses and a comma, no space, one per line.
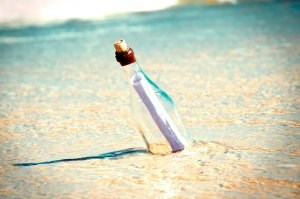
(159,148)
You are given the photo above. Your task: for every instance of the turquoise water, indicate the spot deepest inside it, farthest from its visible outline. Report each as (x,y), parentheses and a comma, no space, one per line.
(232,70)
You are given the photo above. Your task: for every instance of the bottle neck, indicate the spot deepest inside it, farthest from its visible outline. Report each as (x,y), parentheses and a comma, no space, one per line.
(127,60)
(131,69)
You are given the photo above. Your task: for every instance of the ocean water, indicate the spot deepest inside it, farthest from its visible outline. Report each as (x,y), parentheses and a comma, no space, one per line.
(15,13)
(232,70)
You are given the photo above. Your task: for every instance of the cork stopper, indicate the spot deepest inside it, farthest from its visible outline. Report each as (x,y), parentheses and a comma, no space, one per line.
(124,54)
(120,46)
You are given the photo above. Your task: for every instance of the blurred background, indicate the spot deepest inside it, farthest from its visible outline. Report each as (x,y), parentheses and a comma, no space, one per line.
(35,11)
(232,68)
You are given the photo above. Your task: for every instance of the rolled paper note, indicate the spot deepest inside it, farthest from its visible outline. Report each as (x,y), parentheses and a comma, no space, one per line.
(158,113)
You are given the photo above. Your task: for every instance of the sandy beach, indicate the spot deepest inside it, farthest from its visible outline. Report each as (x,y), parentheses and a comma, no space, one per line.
(232,70)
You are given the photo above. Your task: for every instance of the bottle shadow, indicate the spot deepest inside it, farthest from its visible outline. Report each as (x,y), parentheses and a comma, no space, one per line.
(110,155)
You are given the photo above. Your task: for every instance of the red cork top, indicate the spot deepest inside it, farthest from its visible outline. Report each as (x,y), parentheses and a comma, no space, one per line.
(124,54)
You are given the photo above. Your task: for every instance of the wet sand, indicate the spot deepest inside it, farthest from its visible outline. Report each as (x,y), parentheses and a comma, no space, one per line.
(233,72)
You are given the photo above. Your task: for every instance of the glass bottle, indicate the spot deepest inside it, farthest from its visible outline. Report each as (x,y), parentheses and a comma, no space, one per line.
(153,110)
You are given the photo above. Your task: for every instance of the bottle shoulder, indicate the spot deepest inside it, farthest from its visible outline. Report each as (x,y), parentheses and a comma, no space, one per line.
(157,89)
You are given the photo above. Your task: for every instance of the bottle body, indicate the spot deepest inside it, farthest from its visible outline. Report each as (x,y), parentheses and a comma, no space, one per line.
(155,114)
